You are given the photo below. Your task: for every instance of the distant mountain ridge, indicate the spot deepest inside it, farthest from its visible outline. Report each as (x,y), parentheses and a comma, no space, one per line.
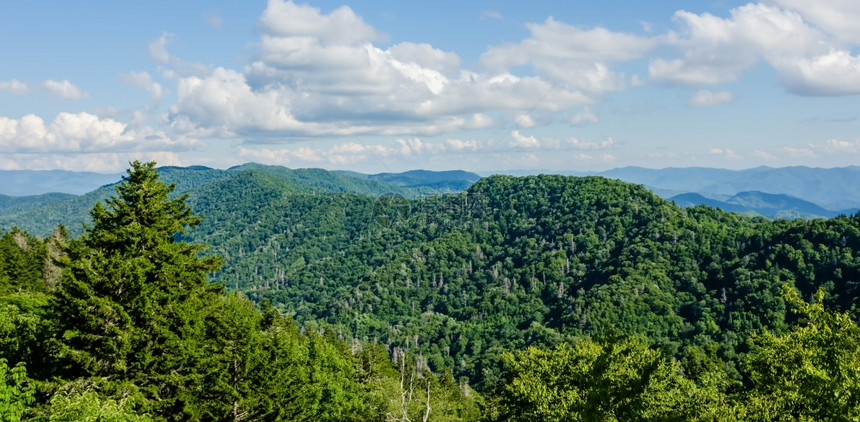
(766,204)
(832,189)
(40,215)
(37,182)
(442,181)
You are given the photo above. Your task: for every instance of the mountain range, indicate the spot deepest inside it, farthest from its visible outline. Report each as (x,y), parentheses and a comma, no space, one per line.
(790,192)
(832,189)
(40,214)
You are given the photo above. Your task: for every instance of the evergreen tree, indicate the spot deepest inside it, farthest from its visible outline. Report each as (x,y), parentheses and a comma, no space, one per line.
(131,298)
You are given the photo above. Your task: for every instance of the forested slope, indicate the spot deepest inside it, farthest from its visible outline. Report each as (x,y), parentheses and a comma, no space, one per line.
(520,261)
(41,215)
(533,298)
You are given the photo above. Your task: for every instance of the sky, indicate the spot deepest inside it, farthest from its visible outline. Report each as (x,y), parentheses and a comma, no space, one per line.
(384,86)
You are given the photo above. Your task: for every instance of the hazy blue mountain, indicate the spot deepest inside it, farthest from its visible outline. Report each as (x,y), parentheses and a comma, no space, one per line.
(425,180)
(36,182)
(11,201)
(686,200)
(766,204)
(330,181)
(202,184)
(831,189)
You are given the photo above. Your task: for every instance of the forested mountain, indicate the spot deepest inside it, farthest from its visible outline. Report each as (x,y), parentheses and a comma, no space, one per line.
(833,188)
(11,201)
(42,214)
(37,182)
(532,298)
(424,180)
(519,261)
(766,204)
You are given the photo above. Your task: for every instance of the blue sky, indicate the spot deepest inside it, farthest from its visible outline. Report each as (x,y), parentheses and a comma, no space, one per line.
(388,86)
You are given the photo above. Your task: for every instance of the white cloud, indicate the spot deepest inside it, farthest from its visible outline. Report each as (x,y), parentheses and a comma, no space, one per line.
(706,98)
(64,89)
(584,118)
(321,74)
(807,47)
(525,121)
(158,48)
(104,162)
(603,158)
(83,132)
(799,152)
(458,145)
(490,14)
(725,152)
(521,141)
(837,17)
(763,155)
(143,80)
(14,86)
(213,19)
(838,146)
(341,26)
(578,58)
(582,145)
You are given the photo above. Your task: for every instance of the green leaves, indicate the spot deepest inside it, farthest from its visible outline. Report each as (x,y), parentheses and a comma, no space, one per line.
(620,380)
(810,373)
(16,392)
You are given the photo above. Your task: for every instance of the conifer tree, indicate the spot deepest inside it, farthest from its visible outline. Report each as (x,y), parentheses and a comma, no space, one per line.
(131,301)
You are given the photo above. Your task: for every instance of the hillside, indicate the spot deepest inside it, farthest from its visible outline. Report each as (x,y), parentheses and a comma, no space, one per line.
(766,204)
(428,182)
(12,201)
(583,285)
(42,215)
(37,182)
(832,189)
(519,261)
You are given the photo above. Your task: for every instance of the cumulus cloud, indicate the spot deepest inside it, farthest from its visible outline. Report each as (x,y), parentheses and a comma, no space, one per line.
(808,47)
(576,57)
(83,132)
(64,89)
(14,86)
(319,73)
(143,80)
(839,146)
(725,152)
(603,158)
(105,162)
(706,98)
(213,19)
(837,17)
(799,152)
(584,118)
(158,48)
(520,141)
(583,145)
(763,155)
(490,14)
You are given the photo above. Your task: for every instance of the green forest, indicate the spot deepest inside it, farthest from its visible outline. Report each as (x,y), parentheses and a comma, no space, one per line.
(261,294)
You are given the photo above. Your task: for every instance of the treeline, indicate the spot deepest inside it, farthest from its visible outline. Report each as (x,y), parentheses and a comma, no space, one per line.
(122,324)
(537,298)
(515,262)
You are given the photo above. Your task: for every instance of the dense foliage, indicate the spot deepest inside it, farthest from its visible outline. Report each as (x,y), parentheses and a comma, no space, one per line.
(555,298)
(123,324)
(514,262)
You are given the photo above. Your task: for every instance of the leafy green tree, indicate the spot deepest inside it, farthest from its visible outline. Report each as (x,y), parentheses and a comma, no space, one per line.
(619,380)
(16,392)
(811,373)
(89,406)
